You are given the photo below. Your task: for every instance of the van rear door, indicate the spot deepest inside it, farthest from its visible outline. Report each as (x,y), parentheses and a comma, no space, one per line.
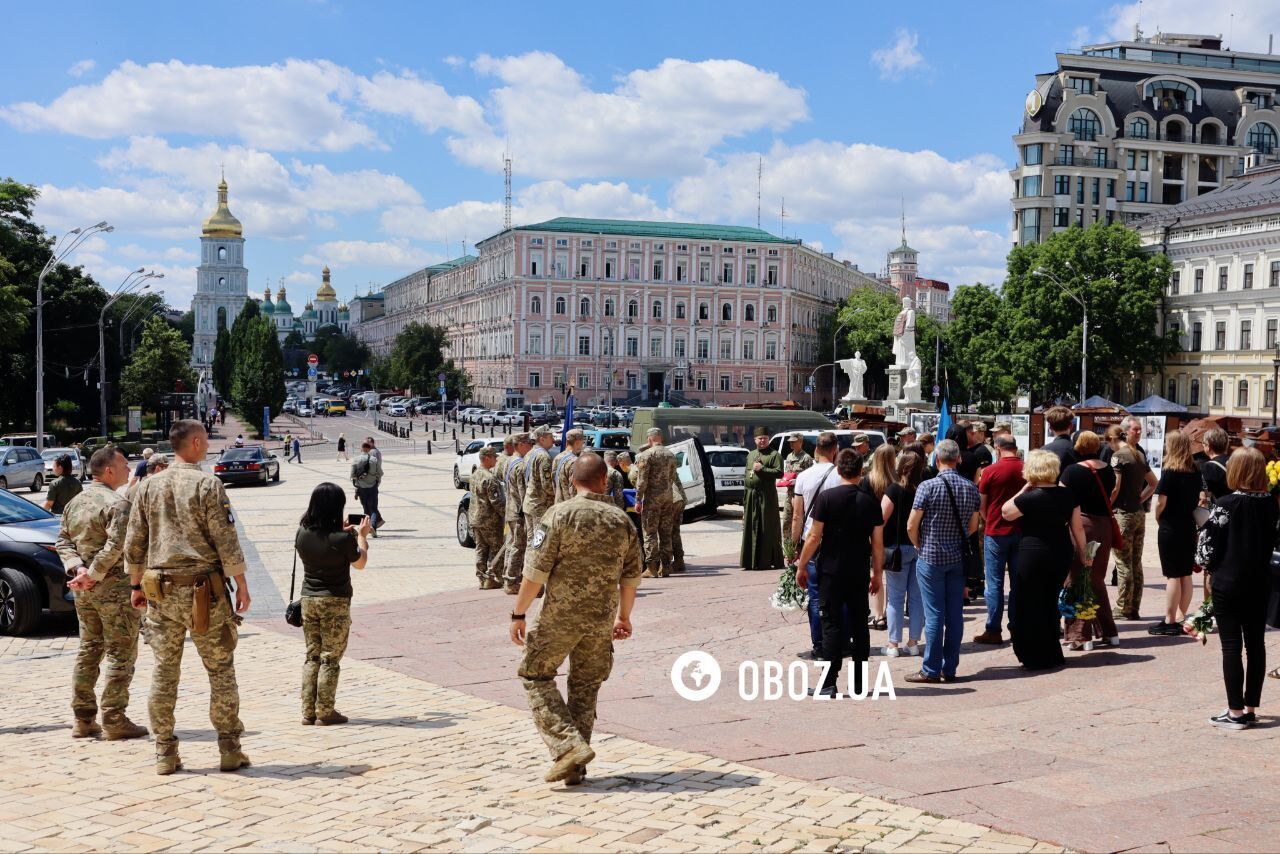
(692,466)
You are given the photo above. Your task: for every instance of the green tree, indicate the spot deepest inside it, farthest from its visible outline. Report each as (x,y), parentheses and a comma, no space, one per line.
(223,359)
(294,340)
(186,327)
(320,342)
(978,347)
(868,316)
(161,361)
(345,353)
(257,378)
(417,359)
(13,308)
(1122,286)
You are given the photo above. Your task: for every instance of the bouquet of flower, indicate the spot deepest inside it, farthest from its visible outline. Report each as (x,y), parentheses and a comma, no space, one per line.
(789,596)
(1076,601)
(1273,476)
(1200,624)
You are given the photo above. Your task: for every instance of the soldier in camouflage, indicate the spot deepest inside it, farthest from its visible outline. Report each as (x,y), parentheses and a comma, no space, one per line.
(655,475)
(795,462)
(182,544)
(586,554)
(617,480)
(513,487)
(508,450)
(678,500)
(562,465)
(485,514)
(539,484)
(90,544)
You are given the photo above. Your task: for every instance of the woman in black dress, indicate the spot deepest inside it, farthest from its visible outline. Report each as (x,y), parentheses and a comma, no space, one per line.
(1052,541)
(1176,500)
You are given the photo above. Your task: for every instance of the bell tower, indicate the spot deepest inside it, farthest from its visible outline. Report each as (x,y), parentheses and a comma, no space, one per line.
(222,280)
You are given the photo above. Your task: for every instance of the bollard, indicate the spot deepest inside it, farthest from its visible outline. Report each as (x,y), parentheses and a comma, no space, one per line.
(457,449)
(428,449)
(433,434)
(473,432)
(455,436)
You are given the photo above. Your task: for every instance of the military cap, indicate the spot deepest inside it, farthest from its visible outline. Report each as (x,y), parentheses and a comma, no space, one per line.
(156,461)
(761,431)
(906,431)
(488,451)
(796,437)
(541,430)
(523,439)
(1005,426)
(575,434)
(860,439)
(978,425)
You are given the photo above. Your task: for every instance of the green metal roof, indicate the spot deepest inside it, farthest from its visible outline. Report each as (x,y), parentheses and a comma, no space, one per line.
(445,266)
(669,230)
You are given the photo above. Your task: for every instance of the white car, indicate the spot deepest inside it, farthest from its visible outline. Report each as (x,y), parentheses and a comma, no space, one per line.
(844,439)
(304,410)
(395,410)
(78,468)
(729,468)
(470,458)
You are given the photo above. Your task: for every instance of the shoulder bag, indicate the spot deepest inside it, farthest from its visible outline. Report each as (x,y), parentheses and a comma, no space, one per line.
(893,554)
(293,611)
(970,557)
(1117,539)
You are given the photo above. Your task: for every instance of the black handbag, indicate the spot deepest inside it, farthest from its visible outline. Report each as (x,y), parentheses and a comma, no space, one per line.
(893,560)
(293,611)
(970,556)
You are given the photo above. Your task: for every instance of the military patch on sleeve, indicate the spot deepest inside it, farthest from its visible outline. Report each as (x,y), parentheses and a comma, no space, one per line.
(538,536)
(226,505)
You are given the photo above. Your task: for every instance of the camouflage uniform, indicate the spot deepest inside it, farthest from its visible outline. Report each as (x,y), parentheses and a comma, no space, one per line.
(513,487)
(678,500)
(539,491)
(501,468)
(93,535)
(561,472)
(617,483)
(583,550)
(655,475)
(181,526)
(797,463)
(326,624)
(488,506)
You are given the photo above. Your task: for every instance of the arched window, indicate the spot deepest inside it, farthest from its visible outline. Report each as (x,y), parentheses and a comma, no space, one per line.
(771,314)
(749,312)
(657,309)
(1172,392)
(1176,131)
(222,317)
(704,311)
(1261,138)
(608,307)
(1084,124)
(1209,134)
(222,253)
(1171,95)
(1242,394)
(584,307)
(535,305)
(1140,128)
(560,305)
(1193,398)
(1137,390)
(633,310)
(726,311)
(222,283)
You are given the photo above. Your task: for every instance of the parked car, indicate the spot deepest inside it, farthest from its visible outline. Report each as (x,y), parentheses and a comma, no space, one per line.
(304,410)
(329,408)
(462,523)
(425,406)
(31,575)
(395,410)
(609,439)
(78,467)
(470,458)
(21,465)
(729,468)
(290,404)
(844,438)
(252,464)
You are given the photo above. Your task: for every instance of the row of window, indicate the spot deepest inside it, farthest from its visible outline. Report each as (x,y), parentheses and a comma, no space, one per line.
(1246,281)
(636,245)
(701,381)
(1245,341)
(1085,126)
(681,270)
(657,347)
(1217,390)
(560,306)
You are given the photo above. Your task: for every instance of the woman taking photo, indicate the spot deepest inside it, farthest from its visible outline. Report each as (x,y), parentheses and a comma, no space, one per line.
(1176,498)
(1052,537)
(1092,481)
(900,556)
(328,547)
(1235,545)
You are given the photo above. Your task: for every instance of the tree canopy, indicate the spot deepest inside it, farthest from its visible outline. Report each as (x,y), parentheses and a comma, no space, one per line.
(161,361)
(417,359)
(867,316)
(257,372)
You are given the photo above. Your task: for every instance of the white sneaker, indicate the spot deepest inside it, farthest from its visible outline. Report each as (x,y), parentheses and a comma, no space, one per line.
(911,649)
(1088,646)
(1114,641)
(891,651)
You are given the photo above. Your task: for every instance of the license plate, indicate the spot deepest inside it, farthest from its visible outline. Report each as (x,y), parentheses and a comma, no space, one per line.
(731,483)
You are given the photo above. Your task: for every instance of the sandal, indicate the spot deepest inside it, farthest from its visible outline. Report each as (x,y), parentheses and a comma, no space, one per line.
(1274,674)
(880,624)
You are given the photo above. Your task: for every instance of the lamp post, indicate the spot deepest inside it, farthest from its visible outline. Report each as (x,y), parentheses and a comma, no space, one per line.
(133,309)
(55,257)
(129,283)
(1275,384)
(1084,330)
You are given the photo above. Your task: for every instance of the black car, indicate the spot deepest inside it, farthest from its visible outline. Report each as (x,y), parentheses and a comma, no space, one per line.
(463,522)
(247,465)
(31,575)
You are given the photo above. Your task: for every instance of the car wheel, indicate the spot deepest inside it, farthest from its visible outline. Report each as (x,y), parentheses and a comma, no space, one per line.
(37,483)
(276,477)
(457,481)
(19,602)
(464,530)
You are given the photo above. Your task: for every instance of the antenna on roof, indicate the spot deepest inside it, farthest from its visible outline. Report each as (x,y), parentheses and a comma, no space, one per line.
(784,216)
(1231,29)
(903,201)
(506,172)
(759,186)
(1137,24)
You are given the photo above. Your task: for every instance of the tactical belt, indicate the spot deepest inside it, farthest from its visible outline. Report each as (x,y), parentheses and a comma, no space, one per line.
(184,580)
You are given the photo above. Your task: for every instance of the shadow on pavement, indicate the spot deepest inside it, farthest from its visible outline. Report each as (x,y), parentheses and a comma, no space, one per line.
(33,729)
(413,722)
(656,781)
(310,769)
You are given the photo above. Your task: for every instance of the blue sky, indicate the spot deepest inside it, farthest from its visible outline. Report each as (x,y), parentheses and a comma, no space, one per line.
(363,135)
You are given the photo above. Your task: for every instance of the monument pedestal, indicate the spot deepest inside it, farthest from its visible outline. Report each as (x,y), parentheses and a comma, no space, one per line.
(897,376)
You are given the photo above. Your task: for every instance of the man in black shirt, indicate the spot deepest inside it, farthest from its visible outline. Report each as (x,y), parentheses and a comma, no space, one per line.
(1213,471)
(978,446)
(846,537)
(1060,421)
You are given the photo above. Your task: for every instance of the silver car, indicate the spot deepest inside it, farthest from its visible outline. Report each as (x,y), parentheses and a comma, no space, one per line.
(21,465)
(78,467)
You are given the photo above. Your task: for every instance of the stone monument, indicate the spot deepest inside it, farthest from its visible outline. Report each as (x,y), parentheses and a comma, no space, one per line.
(856,369)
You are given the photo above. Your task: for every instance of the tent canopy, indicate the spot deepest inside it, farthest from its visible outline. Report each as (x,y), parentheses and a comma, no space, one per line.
(1097,401)
(1156,405)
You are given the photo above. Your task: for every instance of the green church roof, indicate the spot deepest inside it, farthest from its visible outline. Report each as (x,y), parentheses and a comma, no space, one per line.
(669,230)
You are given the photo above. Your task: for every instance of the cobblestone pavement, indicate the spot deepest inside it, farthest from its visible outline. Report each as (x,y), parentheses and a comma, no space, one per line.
(418,767)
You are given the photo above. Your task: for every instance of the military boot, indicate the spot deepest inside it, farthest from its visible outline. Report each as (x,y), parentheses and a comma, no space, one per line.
(577,776)
(85,728)
(568,762)
(118,727)
(167,760)
(233,757)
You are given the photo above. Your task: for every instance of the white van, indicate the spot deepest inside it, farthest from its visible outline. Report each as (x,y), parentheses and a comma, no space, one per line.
(844,439)
(729,468)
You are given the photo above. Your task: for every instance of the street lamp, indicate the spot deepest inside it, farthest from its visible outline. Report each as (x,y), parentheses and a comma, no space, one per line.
(151,312)
(1275,384)
(129,283)
(55,257)
(1084,331)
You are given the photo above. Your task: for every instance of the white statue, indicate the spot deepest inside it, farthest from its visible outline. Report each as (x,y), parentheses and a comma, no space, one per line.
(904,335)
(856,369)
(911,388)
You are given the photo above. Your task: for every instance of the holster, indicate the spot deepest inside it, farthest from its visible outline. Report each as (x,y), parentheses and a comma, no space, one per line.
(200,605)
(151,585)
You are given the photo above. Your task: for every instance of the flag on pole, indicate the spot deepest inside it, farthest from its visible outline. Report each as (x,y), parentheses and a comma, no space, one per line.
(944,424)
(568,420)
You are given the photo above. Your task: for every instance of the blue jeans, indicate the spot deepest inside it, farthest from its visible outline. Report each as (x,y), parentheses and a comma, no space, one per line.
(942,589)
(815,620)
(903,586)
(999,552)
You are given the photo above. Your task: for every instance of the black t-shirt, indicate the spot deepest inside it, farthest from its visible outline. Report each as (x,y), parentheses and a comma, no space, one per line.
(897,522)
(326,561)
(1079,480)
(849,515)
(1064,449)
(1181,490)
(1213,476)
(967,467)
(1251,535)
(1046,516)
(983,455)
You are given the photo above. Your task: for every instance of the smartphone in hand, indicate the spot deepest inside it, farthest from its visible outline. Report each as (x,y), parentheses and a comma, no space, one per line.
(354,519)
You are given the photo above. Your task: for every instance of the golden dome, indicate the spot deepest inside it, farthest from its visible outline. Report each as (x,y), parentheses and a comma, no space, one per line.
(222,223)
(326,291)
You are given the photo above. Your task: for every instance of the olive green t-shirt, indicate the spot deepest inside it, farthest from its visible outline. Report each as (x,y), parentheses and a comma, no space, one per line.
(61,491)
(1131,466)
(326,561)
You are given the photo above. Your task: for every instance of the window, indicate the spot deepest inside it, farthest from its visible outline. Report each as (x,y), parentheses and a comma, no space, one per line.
(771,350)
(1271,333)
(751,274)
(1084,124)
(1142,191)
(704,348)
(633,310)
(608,268)
(1198,287)
(1268,394)
(1172,391)
(1080,216)
(633,269)
(1096,190)
(562,264)
(680,311)
(1082,85)
(655,347)
(1262,138)
(584,307)
(704,311)
(1196,335)
(678,348)
(222,253)
(749,312)
(704,271)
(726,311)
(584,345)
(682,271)
(1111,188)
(726,348)
(560,305)
(1242,394)
(1032,155)
(1275,275)
(1140,128)
(1193,397)
(222,283)
(657,270)
(535,379)
(677,381)
(748,349)
(1031,185)
(1080,190)
(1248,277)
(606,344)
(727,276)
(1067,155)
(632,382)
(1062,185)
(558,344)
(1030,225)
(1222,278)
(562,241)
(633,346)
(1128,191)
(702,382)
(771,277)
(724,382)
(535,343)
(770,384)
(771,314)
(747,382)
(1220,335)
(1246,335)
(584,381)
(584,266)
(656,311)
(608,307)
(1175,282)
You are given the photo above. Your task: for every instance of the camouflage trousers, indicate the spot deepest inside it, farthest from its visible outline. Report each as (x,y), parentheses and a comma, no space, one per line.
(563,723)
(787,511)
(108,627)
(490,557)
(514,562)
(326,622)
(656,520)
(1133,528)
(168,621)
(677,542)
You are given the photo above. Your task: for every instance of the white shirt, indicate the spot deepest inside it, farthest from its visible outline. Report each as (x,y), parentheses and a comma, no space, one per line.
(807,487)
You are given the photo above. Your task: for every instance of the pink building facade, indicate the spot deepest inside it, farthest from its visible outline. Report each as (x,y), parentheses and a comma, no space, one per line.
(629,312)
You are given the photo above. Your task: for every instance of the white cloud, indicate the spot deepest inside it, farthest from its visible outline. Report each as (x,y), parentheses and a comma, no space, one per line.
(365,253)
(81,68)
(959,254)
(454,61)
(302,277)
(294,105)
(347,192)
(658,121)
(1254,20)
(426,103)
(900,57)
